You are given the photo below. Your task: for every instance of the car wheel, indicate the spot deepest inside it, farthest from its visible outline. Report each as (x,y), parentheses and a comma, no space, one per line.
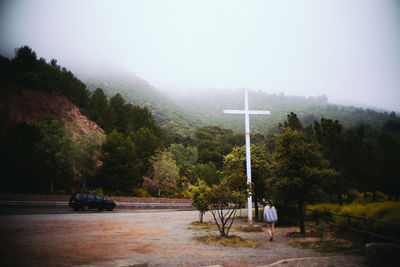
(100,209)
(109,209)
(76,209)
(85,208)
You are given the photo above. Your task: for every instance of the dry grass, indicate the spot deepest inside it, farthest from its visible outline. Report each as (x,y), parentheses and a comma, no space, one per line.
(325,245)
(204,226)
(229,241)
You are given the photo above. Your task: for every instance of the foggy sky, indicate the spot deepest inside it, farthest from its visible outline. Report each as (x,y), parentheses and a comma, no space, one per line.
(348,50)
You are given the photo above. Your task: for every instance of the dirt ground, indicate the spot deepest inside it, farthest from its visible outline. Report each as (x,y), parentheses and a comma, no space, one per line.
(111,239)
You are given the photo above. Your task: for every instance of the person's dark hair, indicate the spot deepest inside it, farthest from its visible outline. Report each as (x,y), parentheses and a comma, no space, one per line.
(271,203)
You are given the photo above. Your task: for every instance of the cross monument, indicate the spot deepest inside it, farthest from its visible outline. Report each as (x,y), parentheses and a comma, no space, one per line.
(246,113)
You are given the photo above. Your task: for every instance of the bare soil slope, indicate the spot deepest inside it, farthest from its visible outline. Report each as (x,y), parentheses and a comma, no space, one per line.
(27,105)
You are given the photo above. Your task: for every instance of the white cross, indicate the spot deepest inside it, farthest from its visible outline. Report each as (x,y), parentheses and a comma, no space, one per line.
(246,113)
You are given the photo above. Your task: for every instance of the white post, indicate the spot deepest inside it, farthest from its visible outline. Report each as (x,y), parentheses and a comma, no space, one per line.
(248,155)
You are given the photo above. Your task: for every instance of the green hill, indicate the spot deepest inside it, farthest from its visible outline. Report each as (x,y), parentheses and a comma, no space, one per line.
(207,108)
(182,114)
(137,91)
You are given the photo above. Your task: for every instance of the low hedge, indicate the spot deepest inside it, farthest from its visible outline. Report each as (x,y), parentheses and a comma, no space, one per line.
(387,211)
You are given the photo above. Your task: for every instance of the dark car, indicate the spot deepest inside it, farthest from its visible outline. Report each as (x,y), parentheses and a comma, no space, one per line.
(86,201)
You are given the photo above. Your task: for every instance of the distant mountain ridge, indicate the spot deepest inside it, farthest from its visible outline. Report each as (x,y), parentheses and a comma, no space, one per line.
(184,113)
(208,107)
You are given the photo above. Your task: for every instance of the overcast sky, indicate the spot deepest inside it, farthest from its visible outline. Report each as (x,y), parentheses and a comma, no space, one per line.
(348,50)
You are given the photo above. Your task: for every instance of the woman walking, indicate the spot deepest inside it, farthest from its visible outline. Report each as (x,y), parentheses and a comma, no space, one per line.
(270,217)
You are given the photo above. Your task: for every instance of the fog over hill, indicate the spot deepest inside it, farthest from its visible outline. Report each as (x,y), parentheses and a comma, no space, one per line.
(182,112)
(346,50)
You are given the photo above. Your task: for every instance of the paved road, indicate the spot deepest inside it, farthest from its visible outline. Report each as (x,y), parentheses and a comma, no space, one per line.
(60,207)
(105,239)
(66,210)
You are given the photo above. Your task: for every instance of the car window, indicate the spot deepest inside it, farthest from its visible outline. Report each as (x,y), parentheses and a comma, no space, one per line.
(84,196)
(91,197)
(98,197)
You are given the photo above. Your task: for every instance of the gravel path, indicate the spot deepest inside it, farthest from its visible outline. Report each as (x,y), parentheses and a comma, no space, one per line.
(124,239)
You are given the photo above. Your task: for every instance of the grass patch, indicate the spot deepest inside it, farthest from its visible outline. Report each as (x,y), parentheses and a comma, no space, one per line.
(204,226)
(229,241)
(306,234)
(326,245)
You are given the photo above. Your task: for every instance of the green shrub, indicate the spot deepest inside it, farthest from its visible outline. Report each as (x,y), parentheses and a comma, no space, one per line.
(140,192)
(388,211)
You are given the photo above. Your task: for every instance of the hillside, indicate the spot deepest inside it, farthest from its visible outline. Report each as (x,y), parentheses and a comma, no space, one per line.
(28,105)
(135,90)
(182,114)
(206,107)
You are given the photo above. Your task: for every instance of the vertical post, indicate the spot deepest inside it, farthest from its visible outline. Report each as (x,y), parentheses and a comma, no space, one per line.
(248,156)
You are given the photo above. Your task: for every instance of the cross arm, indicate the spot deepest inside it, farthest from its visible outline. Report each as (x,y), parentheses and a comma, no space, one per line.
(232,111)
(251,112)
(259,112)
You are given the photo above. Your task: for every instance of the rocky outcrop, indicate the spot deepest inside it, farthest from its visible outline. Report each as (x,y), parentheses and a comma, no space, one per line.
(23,105)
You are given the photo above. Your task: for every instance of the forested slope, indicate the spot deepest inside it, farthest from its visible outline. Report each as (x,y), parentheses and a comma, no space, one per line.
(182,114)
(207,107)
(171,117)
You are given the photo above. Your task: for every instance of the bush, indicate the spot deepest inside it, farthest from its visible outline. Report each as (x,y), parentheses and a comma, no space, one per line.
(140,192)
(388,211)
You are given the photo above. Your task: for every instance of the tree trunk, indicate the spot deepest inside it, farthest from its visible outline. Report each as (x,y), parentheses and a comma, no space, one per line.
(340,199)
(256,208)
(301,218)
(201,217)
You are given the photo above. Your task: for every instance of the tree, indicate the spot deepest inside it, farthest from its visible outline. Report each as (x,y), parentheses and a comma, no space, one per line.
(146,144)
(25,58)
(164,171)
(214,142)
(207,172)
(292,122)
(329,135)
(57,150)
(234,167)
(199,198)
(298,169)
(117,103)
(97,103)
(186,158)
(389,170)
(224,202)
(87,146)
(121,166)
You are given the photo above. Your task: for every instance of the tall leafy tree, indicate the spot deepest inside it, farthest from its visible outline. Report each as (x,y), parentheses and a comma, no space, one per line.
(117,103)
(164,171)
(186,158)
(389,171)
(234,168)
(207,172)
(298,170)
(121,166)
(97,103)
(146,143)
(329,134)
(214,142)
(57,150)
